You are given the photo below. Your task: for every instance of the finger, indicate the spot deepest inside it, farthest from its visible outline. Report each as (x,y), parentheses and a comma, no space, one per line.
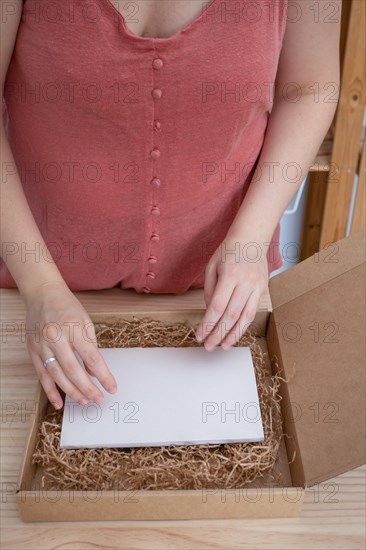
(95,363)
(55,371)
(47,382)
(75,372)
(208,290)
(244,321)
(210,282)
(216,307)
(231,315)
(83,364)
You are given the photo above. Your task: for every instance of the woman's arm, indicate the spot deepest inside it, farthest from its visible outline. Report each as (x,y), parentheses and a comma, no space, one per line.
(56,323)
(307,93)
(19,231)
(306,97)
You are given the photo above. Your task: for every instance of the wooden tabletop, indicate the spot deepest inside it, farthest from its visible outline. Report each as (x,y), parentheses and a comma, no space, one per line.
(333,514)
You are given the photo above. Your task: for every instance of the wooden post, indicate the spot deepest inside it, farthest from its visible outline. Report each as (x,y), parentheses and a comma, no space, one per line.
(348,131)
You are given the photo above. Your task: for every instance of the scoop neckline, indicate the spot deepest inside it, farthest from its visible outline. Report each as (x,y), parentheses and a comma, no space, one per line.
(187,27)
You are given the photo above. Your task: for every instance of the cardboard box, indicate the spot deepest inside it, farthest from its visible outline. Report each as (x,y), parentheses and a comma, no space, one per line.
(317,330)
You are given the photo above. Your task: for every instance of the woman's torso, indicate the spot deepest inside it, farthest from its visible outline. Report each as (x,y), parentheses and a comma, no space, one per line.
(135,152)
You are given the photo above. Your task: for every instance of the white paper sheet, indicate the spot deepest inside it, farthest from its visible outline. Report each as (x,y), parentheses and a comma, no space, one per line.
(169,396)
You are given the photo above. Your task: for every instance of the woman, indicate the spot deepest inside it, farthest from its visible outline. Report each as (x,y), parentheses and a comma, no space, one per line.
(154,145)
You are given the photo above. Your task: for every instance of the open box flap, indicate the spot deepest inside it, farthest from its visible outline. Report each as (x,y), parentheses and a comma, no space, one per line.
(317,332)
(330,262)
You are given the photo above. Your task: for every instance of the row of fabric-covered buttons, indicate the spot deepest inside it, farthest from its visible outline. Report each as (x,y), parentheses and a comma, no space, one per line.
(156,94)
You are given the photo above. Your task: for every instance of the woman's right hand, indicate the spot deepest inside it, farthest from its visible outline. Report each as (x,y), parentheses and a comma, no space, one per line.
(57,325)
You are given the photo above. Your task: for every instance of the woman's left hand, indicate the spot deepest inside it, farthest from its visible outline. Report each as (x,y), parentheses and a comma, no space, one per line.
(236,276)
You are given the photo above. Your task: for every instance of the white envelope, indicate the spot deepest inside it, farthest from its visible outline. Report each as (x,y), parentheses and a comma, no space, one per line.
(169,396)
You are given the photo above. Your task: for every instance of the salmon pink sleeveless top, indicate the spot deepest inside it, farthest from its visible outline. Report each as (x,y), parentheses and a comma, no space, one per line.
(136,153)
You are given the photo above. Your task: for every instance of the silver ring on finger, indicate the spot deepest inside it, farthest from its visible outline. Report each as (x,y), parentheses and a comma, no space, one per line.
(49,360)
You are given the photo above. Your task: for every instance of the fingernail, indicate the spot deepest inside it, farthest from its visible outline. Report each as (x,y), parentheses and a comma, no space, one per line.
(84,401)
(199,337)
(99,399)
(57,405)
(112,389)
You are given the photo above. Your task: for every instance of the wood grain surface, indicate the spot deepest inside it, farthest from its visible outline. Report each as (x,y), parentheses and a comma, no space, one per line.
(333,515)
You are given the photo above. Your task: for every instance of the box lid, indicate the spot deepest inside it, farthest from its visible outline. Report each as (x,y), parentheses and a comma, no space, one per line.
(317,331)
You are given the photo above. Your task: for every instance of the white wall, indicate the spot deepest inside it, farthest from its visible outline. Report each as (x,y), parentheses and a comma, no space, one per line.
(291,229)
